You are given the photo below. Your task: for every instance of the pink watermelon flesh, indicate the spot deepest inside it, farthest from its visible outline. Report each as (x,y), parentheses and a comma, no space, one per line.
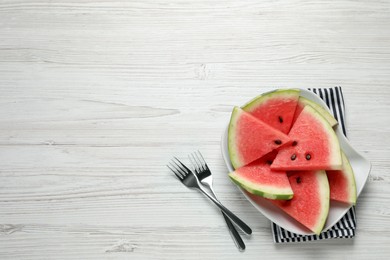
(342,183)
(302,102)
(249,138)
(315,145)
(310,204)
(258,178)
(275,108)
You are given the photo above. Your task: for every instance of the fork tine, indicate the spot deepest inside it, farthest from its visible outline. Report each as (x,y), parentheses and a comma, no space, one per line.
(182,167)
(200,161)
(195,163)
(178,169)
(178,175)
(204,161)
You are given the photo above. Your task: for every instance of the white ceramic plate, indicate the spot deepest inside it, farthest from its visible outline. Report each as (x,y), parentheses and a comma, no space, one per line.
(360,165)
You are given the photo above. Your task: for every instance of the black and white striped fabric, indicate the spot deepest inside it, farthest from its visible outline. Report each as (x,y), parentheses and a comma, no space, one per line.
(345,228)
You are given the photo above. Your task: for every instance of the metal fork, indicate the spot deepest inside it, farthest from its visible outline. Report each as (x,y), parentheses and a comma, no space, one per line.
(205,177)
(189,179)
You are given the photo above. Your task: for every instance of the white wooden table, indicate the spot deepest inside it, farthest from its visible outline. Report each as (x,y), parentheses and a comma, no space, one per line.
(97,96)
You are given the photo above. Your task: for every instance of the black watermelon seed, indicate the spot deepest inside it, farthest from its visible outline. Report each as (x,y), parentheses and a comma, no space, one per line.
(293,157)
(294,143)
(278,141)
(269,162)
(299,180)
(308,156)
(280,119)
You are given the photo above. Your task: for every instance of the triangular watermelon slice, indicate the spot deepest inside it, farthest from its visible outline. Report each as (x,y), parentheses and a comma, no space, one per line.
(315,145)
(310,204)
(342,183)
(258,179)
(249,138)
(302,102)
(275,108)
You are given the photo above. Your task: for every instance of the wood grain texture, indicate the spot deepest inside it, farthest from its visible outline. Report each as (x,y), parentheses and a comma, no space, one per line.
(97,96)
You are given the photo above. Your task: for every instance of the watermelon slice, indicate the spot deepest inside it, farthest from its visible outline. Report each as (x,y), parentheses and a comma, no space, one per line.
(275,108)
(310,204)
(302,102)
(249,138)
(315,145)
(258,179)
(342,183)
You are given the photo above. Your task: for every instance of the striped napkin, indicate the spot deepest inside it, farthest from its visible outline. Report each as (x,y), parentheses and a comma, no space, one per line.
(345,228)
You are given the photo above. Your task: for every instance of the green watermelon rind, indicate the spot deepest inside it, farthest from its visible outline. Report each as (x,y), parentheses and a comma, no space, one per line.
(266,191)
(255,102)
(331,120)
(332,137)
(324,190)
(351,177)
(349,174)
(232,148)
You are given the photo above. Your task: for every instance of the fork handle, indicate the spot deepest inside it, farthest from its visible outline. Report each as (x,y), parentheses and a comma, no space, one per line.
(230,214)
(233,231)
